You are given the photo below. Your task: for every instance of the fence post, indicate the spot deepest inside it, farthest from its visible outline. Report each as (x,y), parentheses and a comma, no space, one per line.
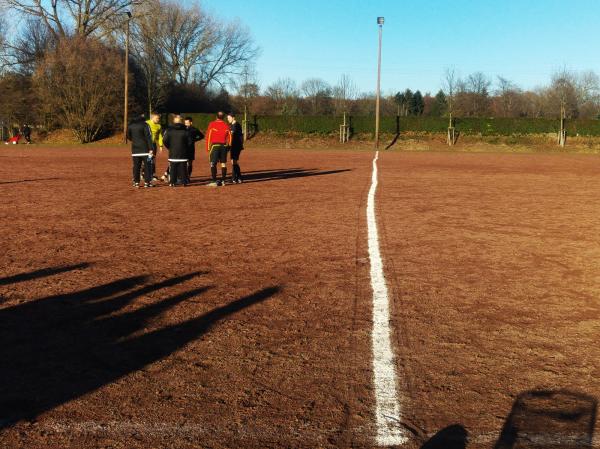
(562,134)
(245,123)
(451,139)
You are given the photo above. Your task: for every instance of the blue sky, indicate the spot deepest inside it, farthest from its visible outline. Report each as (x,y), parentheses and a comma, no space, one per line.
(522,40)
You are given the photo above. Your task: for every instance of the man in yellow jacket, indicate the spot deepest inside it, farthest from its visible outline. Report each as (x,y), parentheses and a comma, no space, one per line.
(157,139)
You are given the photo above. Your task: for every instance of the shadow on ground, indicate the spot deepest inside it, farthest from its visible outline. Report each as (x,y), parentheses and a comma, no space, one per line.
(545,419)
(58,348)
(276,175)
(397,136)
(28,180)
(453,437)
(539,419)
(44,272)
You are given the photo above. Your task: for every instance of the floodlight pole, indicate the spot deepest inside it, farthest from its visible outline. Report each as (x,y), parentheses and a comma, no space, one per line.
(126,105)
(380,21)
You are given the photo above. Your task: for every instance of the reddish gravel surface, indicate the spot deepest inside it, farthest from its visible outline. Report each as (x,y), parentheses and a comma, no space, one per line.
(196,317)
(240,316)
(494,262)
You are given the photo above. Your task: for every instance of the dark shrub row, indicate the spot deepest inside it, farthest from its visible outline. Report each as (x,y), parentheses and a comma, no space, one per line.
(283,124)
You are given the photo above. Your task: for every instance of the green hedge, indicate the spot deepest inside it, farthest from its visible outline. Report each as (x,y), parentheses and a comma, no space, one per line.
(282,124)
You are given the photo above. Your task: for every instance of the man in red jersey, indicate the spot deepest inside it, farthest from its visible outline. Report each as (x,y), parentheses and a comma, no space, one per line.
(218,138)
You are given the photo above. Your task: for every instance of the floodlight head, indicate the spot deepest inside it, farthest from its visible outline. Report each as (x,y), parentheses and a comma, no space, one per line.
(380,21)
(54,3)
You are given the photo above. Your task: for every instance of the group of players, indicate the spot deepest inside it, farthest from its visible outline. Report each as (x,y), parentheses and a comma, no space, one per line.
(148,140)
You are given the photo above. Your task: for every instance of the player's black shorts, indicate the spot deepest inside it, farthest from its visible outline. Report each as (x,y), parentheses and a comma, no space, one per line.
(235,153)
(218,153)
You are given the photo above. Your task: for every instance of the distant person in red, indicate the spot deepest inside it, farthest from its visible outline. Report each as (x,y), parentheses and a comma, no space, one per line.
(14,140)
(218,138)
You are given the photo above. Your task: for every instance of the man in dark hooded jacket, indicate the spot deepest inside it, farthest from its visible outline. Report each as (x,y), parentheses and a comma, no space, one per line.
(196,136)
(142,150)
(177,139)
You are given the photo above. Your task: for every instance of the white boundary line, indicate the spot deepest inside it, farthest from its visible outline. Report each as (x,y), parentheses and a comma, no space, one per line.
(387,407)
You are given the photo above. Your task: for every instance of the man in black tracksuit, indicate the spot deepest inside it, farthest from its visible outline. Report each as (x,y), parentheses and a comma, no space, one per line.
(142,150)
(196,135)
(178,141)
(237,145)
(27,134)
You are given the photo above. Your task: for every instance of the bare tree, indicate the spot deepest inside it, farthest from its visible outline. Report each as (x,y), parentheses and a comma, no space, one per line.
(508,95)
(471,95)
(284,95)
(449,86)
(4,50)
(343,93)
(246,86)
(534,103)
(86,97)
(183,36)
(3,25)
(189,45)
(315,90)
(478,85)
(365,103)
(587,87)
(562,94)
(78,17)
(144,45)
(233,50)
(28,47)
(18,103)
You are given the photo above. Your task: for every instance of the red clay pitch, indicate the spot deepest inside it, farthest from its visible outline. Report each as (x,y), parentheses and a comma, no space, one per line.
(241,316)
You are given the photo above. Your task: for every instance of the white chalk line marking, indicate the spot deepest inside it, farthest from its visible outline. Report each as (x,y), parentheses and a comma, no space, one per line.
(387,406)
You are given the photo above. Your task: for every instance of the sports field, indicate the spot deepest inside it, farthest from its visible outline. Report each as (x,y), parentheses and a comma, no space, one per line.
(241,316)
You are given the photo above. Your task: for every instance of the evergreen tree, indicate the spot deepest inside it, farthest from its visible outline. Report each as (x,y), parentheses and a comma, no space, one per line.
(417,104)
(408,101)
(440,105)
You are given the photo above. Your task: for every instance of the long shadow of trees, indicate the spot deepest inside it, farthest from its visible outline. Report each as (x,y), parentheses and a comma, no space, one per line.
(58,348)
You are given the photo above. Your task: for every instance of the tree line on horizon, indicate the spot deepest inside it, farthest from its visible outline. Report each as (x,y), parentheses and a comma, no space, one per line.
(63,67)
(476,95)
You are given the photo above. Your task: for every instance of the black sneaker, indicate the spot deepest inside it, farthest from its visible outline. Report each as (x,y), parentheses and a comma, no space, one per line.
(146,185)
(136,185)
